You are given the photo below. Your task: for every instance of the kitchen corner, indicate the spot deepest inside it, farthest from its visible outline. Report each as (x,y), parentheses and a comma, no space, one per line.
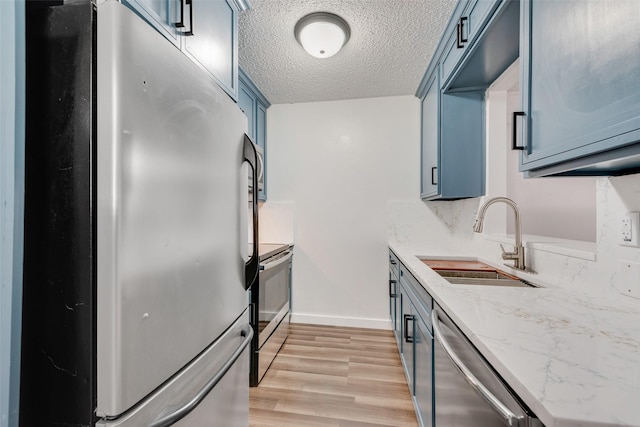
(568,349)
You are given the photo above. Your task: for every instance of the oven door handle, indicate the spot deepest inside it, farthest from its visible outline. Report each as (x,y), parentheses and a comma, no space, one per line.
(512,419)
(274,264)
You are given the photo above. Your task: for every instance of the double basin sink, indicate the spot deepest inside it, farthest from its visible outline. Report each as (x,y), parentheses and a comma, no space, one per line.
(459,272)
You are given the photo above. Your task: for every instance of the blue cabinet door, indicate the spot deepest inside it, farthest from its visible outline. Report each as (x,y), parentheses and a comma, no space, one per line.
(430,138)
(213,44)
(408,332)
(462,148)
(423,373)
(580,77)
(247,103)
(163,15)
(254,105)
(452,144)
(469,24)
(206,30)
(393,284)
(261,138)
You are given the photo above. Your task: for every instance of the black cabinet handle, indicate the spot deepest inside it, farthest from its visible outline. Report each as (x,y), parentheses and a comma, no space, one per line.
(180,23)
(433,178)
(463,39)
(190,32)
(393,262)
(392,293)
(514,145)
(460,38)
(407,338)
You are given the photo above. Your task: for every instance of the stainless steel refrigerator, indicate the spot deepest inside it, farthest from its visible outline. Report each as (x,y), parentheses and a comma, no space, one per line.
(136,264)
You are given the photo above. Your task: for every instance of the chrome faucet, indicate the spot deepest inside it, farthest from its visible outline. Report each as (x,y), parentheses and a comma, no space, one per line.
(518,251)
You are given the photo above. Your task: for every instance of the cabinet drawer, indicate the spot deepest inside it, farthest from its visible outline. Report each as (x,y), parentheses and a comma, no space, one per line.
(394,265)
(421,300)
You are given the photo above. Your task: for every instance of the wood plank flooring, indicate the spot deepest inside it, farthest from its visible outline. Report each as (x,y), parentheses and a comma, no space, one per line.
(333,376)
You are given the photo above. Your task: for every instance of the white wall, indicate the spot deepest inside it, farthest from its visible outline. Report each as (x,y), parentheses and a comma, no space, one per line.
(339,163)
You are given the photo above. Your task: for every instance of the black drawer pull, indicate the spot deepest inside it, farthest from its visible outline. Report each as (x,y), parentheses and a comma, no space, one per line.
(392,293)
(190,32)
(180,23)
(514,140)
(407,337)
(463,39)
(460,38)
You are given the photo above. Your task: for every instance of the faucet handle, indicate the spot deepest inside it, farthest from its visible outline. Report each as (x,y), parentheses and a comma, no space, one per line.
(507,255)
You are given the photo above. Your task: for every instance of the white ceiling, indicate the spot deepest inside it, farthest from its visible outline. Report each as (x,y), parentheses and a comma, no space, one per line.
(390,47)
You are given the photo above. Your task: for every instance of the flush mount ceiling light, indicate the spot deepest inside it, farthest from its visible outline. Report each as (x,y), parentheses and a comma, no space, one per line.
(322,34)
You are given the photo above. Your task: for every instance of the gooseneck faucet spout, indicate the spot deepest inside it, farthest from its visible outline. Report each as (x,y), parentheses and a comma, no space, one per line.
(518,251)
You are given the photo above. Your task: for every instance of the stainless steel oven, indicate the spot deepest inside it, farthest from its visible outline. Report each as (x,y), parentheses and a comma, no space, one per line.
(467,391)
(270,297)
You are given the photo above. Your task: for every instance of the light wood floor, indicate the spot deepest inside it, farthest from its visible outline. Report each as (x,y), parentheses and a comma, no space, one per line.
(332,376)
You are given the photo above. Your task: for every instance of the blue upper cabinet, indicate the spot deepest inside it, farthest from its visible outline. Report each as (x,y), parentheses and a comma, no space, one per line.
(430,138)
(468,25)
(247,102)
(479,43)
(214,43)
(452,143)
(580,77)
(164,15)
(205,30)
(254,105)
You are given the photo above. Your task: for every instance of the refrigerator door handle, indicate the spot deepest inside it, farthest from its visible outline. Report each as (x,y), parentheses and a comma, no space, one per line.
(185,409)
(253,264)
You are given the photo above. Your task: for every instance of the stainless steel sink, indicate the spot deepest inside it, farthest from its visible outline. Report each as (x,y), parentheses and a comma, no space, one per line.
(474,272)
(483,278)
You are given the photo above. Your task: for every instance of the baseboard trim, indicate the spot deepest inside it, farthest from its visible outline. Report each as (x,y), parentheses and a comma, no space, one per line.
(353,322)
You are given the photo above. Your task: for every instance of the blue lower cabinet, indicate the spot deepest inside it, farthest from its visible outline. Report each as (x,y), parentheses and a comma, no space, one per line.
(580,79)
(394,298)
(408,331)
(423,381)
(416,344)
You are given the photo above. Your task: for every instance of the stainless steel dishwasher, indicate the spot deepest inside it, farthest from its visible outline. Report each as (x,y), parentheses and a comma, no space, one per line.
(468,392)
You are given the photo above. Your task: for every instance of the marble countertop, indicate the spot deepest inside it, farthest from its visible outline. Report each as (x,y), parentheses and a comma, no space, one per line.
(574,359)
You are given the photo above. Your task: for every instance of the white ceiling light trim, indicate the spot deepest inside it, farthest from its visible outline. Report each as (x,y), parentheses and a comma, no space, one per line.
(322,34)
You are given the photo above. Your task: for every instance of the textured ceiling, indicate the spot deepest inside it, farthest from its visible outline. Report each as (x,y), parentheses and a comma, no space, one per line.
(390,47)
